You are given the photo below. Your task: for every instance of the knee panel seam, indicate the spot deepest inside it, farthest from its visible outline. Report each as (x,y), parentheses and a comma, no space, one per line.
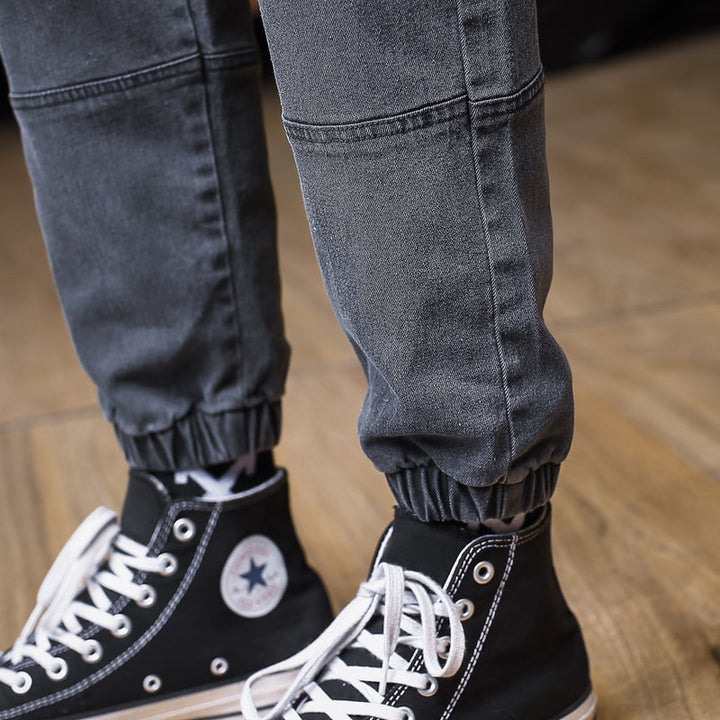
(176,67)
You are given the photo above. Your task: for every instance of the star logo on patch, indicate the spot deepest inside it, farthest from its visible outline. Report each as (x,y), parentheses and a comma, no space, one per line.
(254,575)
(254,578)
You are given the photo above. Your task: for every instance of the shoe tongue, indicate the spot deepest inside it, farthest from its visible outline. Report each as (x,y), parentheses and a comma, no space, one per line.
(429,548)
(145,503)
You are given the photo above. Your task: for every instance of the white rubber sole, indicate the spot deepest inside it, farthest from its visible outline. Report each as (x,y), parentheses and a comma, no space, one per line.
(221,702)
(224,702)
(585,711)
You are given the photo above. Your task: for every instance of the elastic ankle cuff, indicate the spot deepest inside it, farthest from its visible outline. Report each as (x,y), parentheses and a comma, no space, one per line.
(201,439)
(432,496)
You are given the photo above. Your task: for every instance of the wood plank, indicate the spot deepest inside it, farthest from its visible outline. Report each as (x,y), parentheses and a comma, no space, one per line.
(39,372)
(52,474)
(635,176)
(663,370)
(637,550)
(341,504)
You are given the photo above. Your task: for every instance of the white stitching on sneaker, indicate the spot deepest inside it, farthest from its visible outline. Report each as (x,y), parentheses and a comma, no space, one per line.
(143,640)
(466,558)
(468,555)
(157,541)
(483,635)
(56,618)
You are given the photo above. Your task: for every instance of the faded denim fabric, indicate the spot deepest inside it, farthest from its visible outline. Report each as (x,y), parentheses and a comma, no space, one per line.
(418,134)
(142,129)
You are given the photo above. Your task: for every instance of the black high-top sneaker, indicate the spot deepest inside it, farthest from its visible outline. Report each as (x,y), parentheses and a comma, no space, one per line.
(449,626)
(164,614)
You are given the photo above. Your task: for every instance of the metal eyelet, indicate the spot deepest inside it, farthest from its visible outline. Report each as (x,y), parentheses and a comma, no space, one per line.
(147,596)
(93,651)
(219,666)
(431,688)
(123,626)
(184,529)
(483,572)
(445,649)
(409,714)
(58,671)
(152,684)
(22,683)
(168,564)
(466,608)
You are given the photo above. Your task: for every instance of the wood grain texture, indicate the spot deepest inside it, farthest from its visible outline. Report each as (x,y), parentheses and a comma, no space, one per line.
(39,372)
(53,472)
(662,370)
(635,179)
(636,545)
(634,174)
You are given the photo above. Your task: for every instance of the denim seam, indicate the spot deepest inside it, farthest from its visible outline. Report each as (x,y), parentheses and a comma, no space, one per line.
(483,216)
(530,277)
(504,104)
(178,67)
(229,59)
(240,356)
(417,119)
(409,121)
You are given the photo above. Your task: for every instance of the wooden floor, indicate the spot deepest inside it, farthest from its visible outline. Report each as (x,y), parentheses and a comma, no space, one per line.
(635,171)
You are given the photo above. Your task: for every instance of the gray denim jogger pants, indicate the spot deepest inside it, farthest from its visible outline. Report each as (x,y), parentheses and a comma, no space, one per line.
(418,132)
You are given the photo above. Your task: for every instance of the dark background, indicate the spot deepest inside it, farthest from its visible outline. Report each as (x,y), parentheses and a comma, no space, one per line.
(574,32)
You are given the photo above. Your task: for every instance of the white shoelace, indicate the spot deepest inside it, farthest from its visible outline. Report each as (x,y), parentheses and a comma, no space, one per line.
(57,615)
(410,603)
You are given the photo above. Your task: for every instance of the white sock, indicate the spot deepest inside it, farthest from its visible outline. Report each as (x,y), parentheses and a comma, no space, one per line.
(498,527)
(218,487)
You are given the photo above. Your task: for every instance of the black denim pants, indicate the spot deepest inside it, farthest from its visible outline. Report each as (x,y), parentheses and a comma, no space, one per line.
(418,133)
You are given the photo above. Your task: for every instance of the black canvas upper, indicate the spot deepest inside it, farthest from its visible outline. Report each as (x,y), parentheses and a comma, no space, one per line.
(524,656)
(189,625)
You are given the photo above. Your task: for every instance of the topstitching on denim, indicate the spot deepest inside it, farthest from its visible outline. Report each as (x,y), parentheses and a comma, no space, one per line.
(403,122)
(176,67)
(220,200)
(476,110)
(415,119)
(502,105)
